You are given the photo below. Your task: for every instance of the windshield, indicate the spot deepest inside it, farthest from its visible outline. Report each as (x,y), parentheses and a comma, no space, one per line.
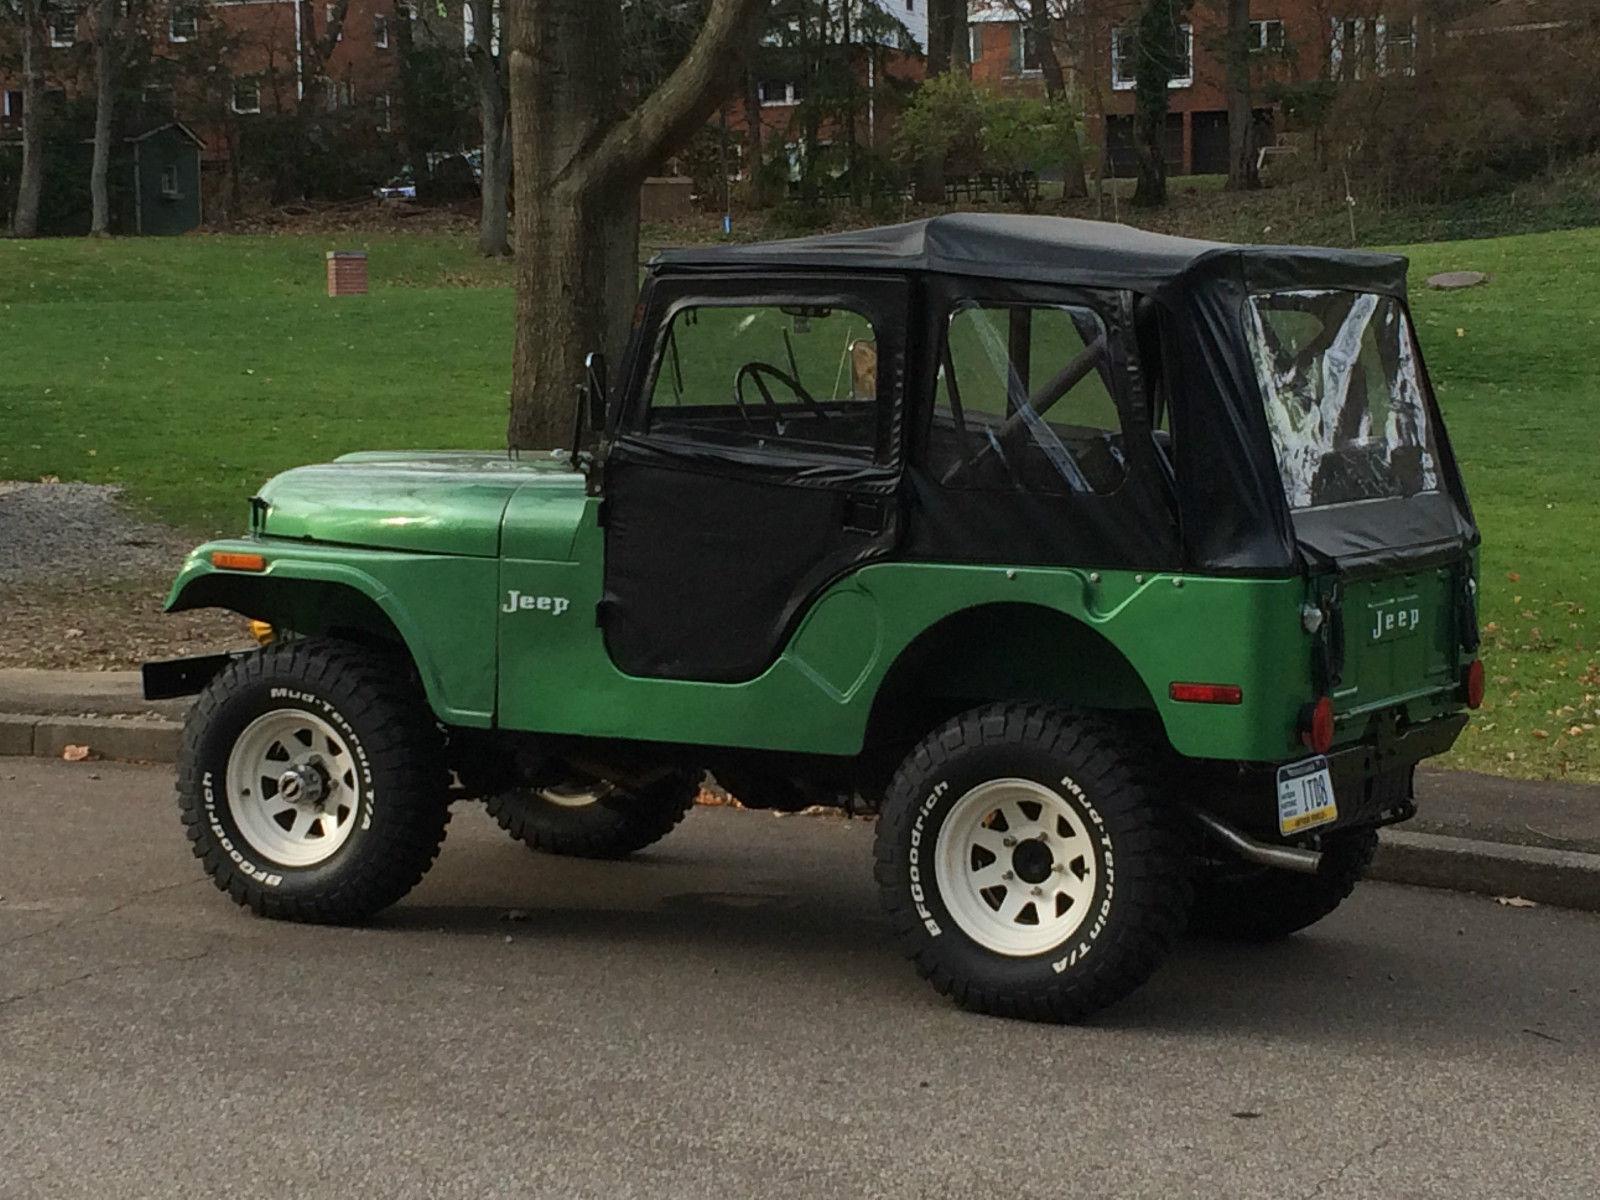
(1343,390)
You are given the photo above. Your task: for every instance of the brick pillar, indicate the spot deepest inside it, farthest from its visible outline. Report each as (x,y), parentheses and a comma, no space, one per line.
(347,273)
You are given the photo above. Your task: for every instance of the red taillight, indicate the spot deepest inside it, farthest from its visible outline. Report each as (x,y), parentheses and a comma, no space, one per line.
(1474,684)
(1316,726)
(1207,693)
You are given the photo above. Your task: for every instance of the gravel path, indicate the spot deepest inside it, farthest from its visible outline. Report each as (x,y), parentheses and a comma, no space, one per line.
(82,581)
(51,531)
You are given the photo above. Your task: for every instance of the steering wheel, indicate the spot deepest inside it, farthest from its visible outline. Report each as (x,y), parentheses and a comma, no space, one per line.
(1037,405)
(757,371)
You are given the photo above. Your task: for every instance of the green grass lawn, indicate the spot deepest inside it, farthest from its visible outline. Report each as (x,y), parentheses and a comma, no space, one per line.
(189,370)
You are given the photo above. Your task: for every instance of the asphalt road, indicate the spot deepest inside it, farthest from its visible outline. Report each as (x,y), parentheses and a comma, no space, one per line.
(725,1018)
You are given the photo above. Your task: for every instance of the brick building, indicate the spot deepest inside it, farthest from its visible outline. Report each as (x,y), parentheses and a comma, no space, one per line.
(238,57)
(1292,42)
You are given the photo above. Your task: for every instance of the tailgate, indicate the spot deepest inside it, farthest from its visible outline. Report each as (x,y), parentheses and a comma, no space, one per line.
(1401,639)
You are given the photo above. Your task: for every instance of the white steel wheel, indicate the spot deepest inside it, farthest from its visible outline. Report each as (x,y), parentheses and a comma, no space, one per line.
(293,788)
(1016,866)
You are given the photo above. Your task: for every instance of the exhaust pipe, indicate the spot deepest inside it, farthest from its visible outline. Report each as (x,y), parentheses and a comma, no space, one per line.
(1284,858)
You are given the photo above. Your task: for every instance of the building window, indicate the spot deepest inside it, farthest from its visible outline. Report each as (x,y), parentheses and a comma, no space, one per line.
(247,94)
(1397,46)
(183,25)
(1365,46)
(1125,61)
(1024,49)
(974,42)
(158,96)
(11,106)
(780,91)
(385,113)
(330,14)
(169,181)
(380,31)
(63,28)
(1266,35)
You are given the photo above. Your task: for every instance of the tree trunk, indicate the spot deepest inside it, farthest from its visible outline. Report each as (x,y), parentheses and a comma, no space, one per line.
(1074,186)
(1243,171)
(579,164)
(493,241)
(107,52)
(942,21)
(1159,47)
(30,186)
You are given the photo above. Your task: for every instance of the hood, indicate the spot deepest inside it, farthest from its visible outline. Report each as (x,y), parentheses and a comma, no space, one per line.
(427,502)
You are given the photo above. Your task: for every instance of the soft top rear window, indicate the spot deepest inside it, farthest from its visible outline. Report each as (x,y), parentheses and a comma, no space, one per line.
(1344,396)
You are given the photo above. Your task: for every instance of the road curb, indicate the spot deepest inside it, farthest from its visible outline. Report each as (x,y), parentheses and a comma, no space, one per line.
(1565,878)
(132,739)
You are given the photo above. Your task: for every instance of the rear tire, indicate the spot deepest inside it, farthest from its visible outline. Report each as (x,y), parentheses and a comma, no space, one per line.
(609,824)
(311,781)
(1262,904)
(1026,864)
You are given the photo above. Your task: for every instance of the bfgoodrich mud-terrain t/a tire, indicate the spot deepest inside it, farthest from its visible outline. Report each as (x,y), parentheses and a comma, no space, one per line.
(1260,904)
(312,781)
(1026,865)
(589,819)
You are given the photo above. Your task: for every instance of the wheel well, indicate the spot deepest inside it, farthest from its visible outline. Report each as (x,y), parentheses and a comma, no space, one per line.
(311,608)
(1001,652)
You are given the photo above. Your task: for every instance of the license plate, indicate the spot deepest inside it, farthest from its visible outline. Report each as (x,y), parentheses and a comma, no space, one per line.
(1305,796)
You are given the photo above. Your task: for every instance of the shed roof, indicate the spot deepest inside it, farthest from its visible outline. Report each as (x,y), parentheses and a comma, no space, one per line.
(1047,249)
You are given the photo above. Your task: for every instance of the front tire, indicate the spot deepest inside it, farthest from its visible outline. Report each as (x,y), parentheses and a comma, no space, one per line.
(311,781)
(1026,864)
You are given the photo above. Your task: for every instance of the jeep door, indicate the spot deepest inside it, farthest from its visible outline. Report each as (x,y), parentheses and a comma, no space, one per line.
(756,460)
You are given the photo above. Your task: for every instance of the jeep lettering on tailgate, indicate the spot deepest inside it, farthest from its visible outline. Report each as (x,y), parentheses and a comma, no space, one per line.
(1394,619)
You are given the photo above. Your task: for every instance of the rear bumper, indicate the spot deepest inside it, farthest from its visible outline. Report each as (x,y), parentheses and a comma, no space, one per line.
(1372,779)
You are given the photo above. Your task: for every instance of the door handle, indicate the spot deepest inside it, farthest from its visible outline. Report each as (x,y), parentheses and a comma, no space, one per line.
(865,514)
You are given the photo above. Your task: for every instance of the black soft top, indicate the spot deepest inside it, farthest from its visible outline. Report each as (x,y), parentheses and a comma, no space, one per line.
(1053,250)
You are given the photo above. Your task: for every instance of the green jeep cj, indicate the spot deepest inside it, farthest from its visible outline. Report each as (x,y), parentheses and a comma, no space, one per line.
(1128,577)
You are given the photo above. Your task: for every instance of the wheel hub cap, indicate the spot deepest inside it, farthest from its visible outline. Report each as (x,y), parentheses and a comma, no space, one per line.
(293,788)
(1017,866)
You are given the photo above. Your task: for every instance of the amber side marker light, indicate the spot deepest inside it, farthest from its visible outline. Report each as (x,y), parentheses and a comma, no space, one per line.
(1474,684)
(1207,693)
(1316,726)
(228,560)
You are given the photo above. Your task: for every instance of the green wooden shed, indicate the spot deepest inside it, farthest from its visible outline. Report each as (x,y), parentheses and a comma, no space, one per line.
(163,196)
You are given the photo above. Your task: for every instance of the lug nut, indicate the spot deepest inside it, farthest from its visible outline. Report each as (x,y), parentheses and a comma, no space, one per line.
(1007,875)
(1008,842)
(1037,891)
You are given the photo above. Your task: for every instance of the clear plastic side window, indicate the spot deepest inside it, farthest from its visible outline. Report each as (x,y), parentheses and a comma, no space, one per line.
(1344,396)
(1025,402)
(779,377)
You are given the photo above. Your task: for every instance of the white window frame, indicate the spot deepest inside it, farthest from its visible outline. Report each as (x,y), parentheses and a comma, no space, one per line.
(385,122)
(1119,84)
(380,31)
(789,100)
(1026,33)
(172,192)
(58,40)
(1260,41)
(179,11)
(975,41)
(327,20)
(5,102)
(233,100)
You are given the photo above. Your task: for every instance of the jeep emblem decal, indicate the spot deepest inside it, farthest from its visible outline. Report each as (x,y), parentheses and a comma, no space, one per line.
(517,602)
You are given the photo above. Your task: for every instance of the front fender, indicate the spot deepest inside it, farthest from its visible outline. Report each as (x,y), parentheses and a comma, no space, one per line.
(441,608)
